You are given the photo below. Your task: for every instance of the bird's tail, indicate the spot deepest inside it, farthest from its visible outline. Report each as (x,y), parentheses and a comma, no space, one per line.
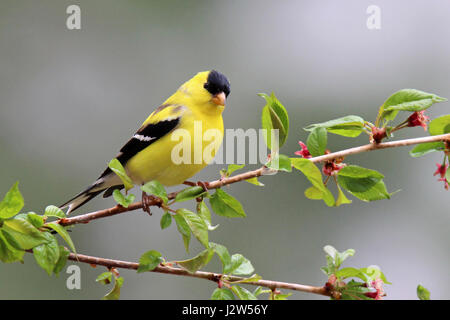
(108,181)
(83,197)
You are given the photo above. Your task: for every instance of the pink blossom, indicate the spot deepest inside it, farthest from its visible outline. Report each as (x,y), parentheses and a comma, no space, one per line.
(304,152)
(418,119)
(378,294)
(378,134)
(329,168)
(441,170)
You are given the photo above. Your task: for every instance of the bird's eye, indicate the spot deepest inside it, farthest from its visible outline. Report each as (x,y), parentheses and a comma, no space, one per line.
(206,85)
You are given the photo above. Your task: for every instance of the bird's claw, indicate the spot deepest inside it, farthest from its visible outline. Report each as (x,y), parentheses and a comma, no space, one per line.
(147,201)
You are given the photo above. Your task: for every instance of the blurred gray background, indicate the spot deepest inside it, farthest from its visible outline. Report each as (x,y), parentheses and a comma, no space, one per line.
(70,99)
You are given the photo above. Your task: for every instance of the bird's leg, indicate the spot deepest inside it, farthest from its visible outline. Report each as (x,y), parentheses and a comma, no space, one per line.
(189,183)
(150,200)
(147,202)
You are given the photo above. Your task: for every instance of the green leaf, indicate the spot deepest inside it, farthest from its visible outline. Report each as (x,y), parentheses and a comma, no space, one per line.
(253,278)
(36,220)
(155,188)
(197,262)
(190,193)
(10,239)
(317,141)
(224,256)
(63,233)
(24,233)
(105,277)
(341,257)
(365,184)
(149,261)
(355,291)
(280,162)
(225,205)
(365,189)
(314,175)
(335,258)
(114,294)
(423,293)
(47,254)
(314,193)
(196,224)
(281,296)
(123,200)
(184,229)
(408,100)
(309,169)
(12,203)
(326,271)
(242,293)
(440,125)
(342,199)
(61,263)
(222,294)
(373,272)
(119,170)
(353,171)
(345,273)
(205,214)
(348,126)
(54,211)
(274,116)
(7,252)
(255,181)
(331,251)
(240,265)
(425,148)
(233,167)
(258,291)
(166,220)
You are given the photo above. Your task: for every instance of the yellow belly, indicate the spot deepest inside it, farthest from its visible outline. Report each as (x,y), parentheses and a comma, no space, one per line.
(156,161)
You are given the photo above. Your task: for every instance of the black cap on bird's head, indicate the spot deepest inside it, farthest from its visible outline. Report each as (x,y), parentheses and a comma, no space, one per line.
(219,86)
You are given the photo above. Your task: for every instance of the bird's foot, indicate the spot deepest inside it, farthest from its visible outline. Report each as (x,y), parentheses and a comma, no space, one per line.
(148,201)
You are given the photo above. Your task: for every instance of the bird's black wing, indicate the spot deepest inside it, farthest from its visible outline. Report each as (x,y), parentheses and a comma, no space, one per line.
(144,137)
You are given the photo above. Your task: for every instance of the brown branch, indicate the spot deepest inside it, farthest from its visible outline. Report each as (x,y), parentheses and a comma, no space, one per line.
(383,145)
(215,277)
(85,218)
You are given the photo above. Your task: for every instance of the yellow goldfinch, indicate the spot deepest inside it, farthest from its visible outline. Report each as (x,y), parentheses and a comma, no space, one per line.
(148,154)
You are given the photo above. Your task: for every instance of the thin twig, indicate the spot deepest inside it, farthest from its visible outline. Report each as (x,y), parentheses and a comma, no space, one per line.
(85,218)
(215,277)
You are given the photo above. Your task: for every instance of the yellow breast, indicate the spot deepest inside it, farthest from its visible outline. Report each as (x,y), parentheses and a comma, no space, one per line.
(180,154)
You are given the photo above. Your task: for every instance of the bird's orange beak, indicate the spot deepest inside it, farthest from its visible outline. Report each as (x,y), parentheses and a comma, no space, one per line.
(219,99)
